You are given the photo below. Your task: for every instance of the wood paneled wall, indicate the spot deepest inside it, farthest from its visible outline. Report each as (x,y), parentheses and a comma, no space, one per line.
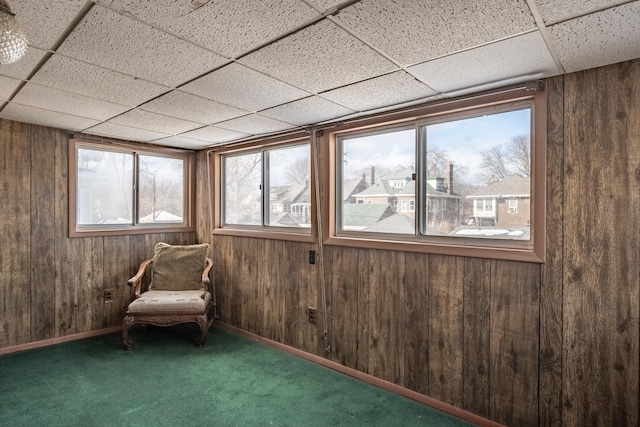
(553,344)
(50,285)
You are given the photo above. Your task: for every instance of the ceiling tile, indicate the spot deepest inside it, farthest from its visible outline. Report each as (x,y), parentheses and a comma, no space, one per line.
(41,117)
(394,88)
(602,38)
(318,58)
(254,124)
(182,142)
(325,5)
(244,88)
(214,135)
(228,27)
(155,122)
(96,82)
(190,107)
(554,11)
(45,21)
(7,86)
(415,31)
(307,111)
(22,68)
(514,60)
(51,99)
(120,43)
(126,133)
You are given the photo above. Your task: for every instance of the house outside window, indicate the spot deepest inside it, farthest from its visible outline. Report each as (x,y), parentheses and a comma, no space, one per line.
(513,205)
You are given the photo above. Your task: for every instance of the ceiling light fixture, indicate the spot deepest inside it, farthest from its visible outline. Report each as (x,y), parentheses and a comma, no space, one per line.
(13,42)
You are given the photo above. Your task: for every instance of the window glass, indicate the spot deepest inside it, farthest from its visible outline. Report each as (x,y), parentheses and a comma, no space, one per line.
(289,175)
(162,189)
(473,173)
(242,189)
(96,202)
(486,159)
(126,189)
(377,171)
(267,187)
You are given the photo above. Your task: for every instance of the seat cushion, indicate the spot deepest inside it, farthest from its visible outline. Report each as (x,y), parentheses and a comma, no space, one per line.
(178,268)
(178,302)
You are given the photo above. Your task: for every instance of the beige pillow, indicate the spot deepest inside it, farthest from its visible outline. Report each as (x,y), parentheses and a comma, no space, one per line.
(178,268)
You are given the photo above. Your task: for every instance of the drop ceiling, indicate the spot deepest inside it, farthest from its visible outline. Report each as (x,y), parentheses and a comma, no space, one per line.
(201,73)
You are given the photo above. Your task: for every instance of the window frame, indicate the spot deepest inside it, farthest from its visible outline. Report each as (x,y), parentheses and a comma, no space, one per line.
(308,235)
(510,98)
(136,227)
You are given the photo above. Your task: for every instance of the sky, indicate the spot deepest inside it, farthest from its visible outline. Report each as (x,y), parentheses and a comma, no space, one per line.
(462,140)
(280,158)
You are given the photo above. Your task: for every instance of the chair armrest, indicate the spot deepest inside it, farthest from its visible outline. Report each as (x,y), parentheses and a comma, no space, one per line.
(206,282)
(136,281)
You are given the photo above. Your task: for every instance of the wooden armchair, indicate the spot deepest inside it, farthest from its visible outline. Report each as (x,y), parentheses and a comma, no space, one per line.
(180,291)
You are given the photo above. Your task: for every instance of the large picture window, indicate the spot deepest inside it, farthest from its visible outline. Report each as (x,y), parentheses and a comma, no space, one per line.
(266,190)
(125,189)
(468,182)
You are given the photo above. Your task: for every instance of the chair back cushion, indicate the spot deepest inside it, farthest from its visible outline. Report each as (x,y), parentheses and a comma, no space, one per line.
(178,268)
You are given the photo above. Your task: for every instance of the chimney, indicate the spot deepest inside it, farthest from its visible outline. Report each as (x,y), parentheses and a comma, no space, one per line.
(372,175)
(449,177)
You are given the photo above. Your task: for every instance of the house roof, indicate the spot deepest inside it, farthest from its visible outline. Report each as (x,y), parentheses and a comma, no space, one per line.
(410,190)
(399,223)
(296,193)
(283,218)
(350,185)
(405,173)
(160,216)
(365,214)
(511,186)
(380,188)
(195,74)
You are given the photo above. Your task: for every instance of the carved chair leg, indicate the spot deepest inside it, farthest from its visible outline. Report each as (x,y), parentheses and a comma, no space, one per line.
(127,344)
(204,329)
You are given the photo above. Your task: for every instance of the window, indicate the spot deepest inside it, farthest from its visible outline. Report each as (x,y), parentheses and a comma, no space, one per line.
(462,172)
(266,189)
(120,189)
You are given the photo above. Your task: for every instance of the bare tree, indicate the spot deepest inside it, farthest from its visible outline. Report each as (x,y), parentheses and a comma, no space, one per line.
(436,167)
(495,162)
(299,171)
(242,182)
(436,163)
(519,154)
(511,158)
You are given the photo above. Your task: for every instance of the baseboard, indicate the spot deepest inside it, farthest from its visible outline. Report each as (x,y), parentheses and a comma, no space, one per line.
(58,340)
(386,385)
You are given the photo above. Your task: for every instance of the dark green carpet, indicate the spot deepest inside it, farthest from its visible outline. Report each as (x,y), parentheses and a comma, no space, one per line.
(166,381)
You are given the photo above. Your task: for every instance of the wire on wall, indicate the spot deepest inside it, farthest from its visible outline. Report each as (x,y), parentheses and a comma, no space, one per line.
(320,257)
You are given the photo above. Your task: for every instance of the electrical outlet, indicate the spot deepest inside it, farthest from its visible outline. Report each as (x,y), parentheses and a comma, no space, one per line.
(312,257)
(108,295)
(311,315)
